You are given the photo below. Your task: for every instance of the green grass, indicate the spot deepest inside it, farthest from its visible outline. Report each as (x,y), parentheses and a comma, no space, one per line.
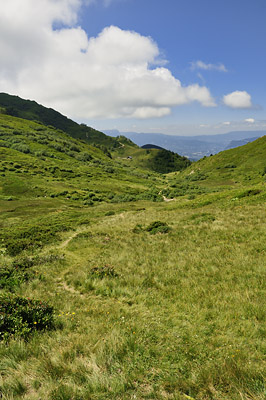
(162,161)
(37,162)
(176,314)
(244,165)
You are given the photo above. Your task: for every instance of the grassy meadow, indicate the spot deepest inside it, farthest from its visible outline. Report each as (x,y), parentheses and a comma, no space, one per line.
(175,315)
(117,282)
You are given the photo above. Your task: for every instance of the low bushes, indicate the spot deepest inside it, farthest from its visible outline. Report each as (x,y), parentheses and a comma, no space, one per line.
(153,228)
(11,277)
(31,237)
(20,316)
(104,271)
(158,227)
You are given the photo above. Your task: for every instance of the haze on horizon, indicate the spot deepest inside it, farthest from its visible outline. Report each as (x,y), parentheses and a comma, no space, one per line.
(182,67)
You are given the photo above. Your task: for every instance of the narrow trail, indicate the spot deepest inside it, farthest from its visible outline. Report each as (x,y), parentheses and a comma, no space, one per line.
(76,233)
(63,285)
(61,282)
(167,200)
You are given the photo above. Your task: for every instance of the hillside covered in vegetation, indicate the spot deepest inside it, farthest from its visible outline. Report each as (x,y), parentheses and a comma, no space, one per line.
(161,161)
(119,282)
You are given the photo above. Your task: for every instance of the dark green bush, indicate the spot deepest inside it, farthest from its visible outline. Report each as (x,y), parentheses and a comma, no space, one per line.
(83,157)
(230,166)
(151,195)
(109,213)
(12,276)
(109,170)
(138,228)
(88,203)
(16,246)
(104,271)
(31,237)
(250,192)
(158,227)
(23,148)
(20,316)
(123,198)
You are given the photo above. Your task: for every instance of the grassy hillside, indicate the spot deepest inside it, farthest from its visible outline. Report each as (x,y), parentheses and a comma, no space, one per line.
(121,147)
(107,295)
(41,161)
(232,167)
(27,109)
(158,160)
(236,168)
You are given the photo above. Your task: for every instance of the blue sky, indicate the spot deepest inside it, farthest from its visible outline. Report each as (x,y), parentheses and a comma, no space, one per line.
(180,67)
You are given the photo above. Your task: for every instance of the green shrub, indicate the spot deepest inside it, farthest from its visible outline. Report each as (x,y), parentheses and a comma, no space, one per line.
(138,228)
(83,157)
(31,237)
(17,273)
(109,213)
(151,195)
(230,166)
(23,148)
(20,316)
(123,198)
(158,227)
(104,271)
(16,246)
(12,277)
(250,192)
(109,170)
(88,203)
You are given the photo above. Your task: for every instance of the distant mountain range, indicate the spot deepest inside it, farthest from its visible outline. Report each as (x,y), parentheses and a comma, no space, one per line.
(193,147)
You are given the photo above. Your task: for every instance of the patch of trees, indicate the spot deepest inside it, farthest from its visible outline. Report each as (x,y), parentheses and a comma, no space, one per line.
(166,161)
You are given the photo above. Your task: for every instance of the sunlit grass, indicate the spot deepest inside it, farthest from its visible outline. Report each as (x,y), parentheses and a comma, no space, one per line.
(183,317)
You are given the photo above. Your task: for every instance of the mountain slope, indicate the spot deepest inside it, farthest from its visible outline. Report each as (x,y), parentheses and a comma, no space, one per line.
(37,161)
(30,110)
(27,109)
(155,159)
(241,165)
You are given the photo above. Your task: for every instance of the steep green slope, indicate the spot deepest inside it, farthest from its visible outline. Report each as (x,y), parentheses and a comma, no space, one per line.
(36,160)
(234,167)
(27,109)
(239,168)
(121,147)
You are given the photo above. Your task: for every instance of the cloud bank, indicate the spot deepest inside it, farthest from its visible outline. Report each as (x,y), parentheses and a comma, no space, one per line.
(47,57)
(238,99)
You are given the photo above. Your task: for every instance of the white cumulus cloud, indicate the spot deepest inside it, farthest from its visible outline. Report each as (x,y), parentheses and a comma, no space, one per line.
(250,120)
(238,99)
(207,67)
(47,57)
